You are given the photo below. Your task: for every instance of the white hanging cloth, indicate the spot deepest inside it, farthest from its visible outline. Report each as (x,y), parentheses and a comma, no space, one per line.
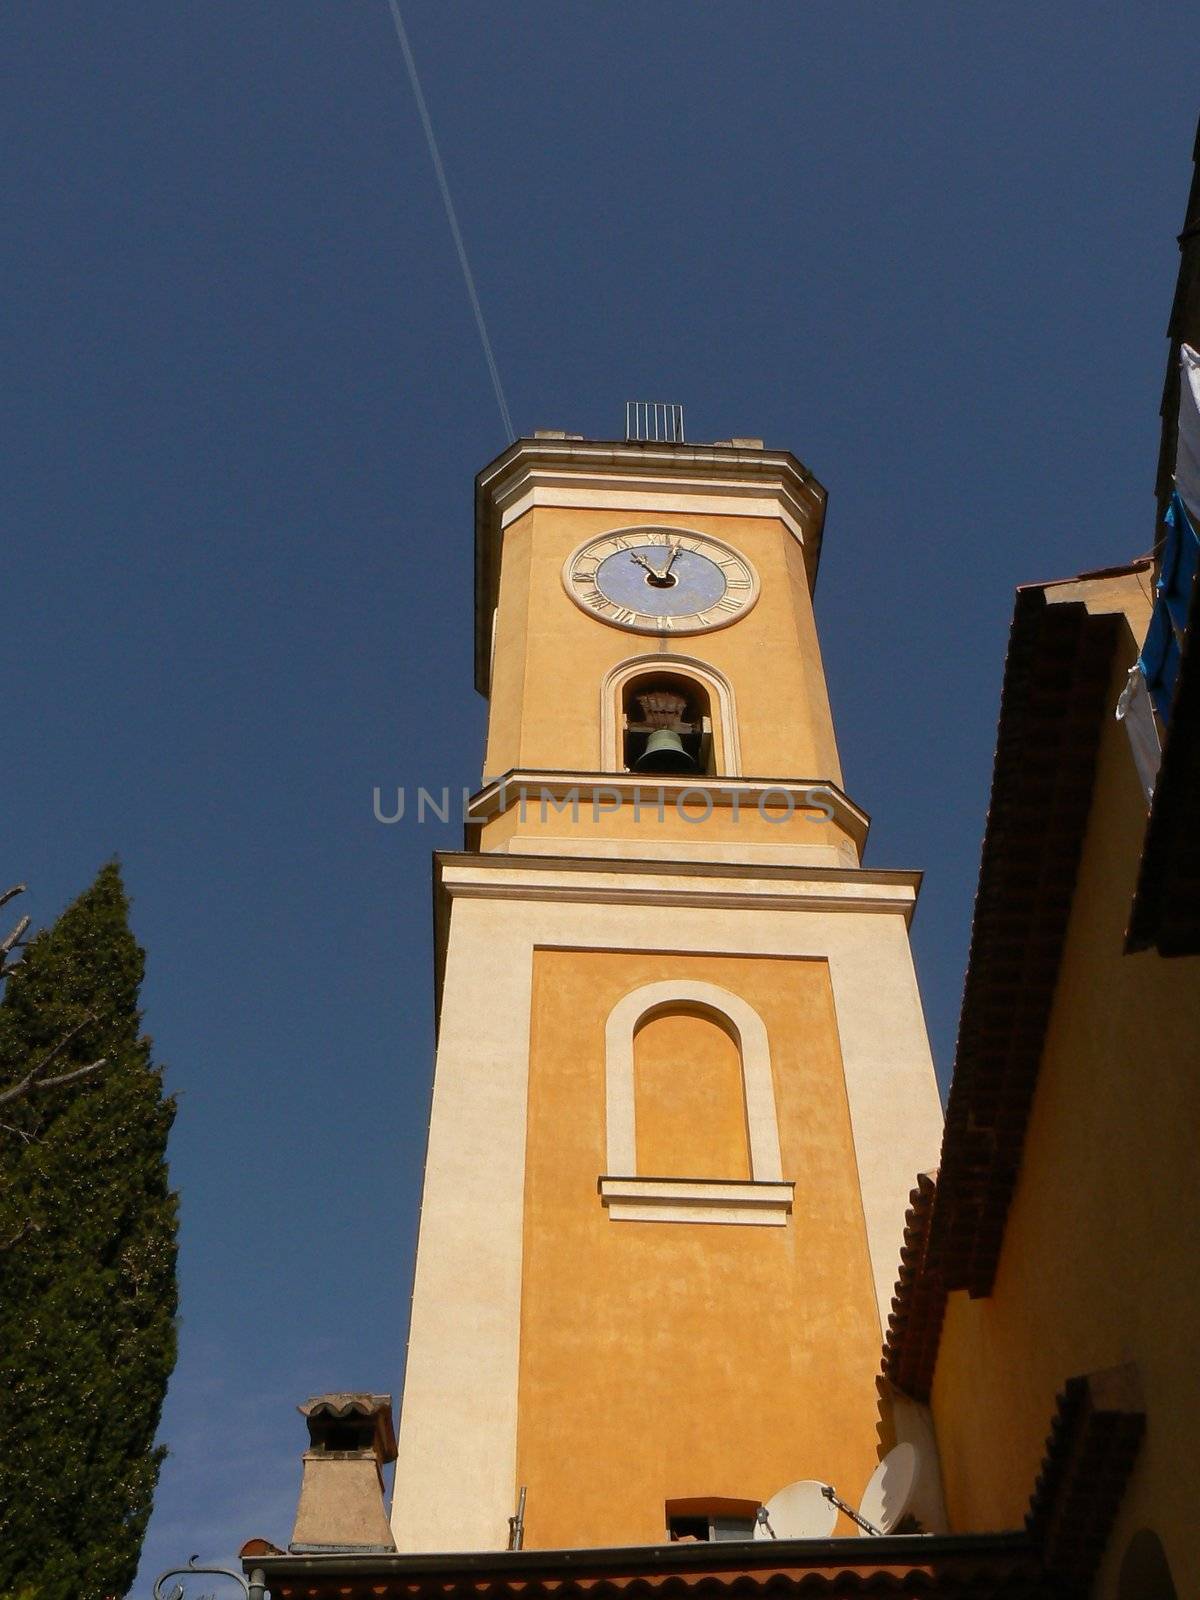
(1135,710)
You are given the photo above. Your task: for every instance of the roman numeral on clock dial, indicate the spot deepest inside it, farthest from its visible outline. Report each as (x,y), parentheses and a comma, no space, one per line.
(660,580)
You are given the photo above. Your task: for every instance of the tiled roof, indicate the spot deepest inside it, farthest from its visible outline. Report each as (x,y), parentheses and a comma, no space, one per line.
(1053,708)
(1093,1440)
(345,1404)
(981,1566)
(320,1409)
(915,1323)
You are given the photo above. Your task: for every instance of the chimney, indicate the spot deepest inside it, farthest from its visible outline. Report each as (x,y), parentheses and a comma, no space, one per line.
(341,1492)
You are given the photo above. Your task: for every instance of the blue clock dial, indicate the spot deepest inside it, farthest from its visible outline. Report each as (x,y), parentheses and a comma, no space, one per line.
(660,580)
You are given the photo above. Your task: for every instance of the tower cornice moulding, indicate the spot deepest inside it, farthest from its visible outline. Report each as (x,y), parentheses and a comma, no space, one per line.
(531,784)
(470,874)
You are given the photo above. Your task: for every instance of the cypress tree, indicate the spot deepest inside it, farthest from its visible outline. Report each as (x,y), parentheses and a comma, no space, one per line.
(87,1262)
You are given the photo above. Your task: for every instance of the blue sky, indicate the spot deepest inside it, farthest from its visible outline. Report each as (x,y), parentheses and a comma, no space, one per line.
(929,248)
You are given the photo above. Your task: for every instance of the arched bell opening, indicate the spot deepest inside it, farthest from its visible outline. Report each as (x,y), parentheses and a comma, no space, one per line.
(666,724)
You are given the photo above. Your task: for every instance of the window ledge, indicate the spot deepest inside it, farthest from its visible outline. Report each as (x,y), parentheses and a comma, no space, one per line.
(696,1200)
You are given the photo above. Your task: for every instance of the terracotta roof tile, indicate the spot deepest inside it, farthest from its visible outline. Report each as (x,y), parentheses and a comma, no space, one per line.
(982,1567)
(919,1304)
(1093,1440)
(1052,709)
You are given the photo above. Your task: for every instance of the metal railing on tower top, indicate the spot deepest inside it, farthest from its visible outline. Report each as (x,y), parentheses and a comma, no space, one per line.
(653,420)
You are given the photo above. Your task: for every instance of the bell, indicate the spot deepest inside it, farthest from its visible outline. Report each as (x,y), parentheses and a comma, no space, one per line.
(664,752)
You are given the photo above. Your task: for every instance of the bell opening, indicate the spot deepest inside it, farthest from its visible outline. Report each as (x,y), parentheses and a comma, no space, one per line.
(666,725)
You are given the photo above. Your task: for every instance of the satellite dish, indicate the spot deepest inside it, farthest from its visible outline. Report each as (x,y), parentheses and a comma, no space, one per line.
(800,1511)
(888,1497)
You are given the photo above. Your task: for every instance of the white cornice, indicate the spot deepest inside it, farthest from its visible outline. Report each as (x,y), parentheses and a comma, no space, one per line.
(731,886)
(700,469)
(672,495)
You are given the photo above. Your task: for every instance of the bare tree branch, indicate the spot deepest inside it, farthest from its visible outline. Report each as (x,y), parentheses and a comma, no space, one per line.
(16,938)
(33,1079)
(64,1077)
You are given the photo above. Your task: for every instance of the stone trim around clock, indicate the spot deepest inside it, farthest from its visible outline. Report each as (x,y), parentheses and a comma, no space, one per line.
(678,627)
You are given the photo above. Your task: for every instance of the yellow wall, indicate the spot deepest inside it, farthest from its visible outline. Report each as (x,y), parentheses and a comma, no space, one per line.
(690,1108)
(669,1360)
(1100,1263)
(551,657)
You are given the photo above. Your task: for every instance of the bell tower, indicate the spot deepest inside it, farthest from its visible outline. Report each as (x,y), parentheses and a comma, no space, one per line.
(682,1080)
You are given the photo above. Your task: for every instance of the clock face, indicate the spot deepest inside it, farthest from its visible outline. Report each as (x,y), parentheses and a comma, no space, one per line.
(661,580)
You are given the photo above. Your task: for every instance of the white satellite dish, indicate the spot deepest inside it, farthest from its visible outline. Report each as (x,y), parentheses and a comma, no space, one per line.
(800,1511)
(888,1497)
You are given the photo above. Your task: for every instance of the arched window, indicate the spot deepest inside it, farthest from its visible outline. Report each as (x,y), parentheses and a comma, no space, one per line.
(666,724)
(680,705)
(689,1104)
(692,1133)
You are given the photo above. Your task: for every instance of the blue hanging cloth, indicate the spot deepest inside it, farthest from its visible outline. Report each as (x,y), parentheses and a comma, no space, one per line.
(1160,655)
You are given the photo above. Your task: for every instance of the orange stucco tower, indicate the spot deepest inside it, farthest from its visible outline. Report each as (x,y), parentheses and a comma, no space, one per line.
(682,1080)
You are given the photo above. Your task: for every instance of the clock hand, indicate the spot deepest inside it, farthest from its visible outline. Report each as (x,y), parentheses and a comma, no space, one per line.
(642,562)
(670,560)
